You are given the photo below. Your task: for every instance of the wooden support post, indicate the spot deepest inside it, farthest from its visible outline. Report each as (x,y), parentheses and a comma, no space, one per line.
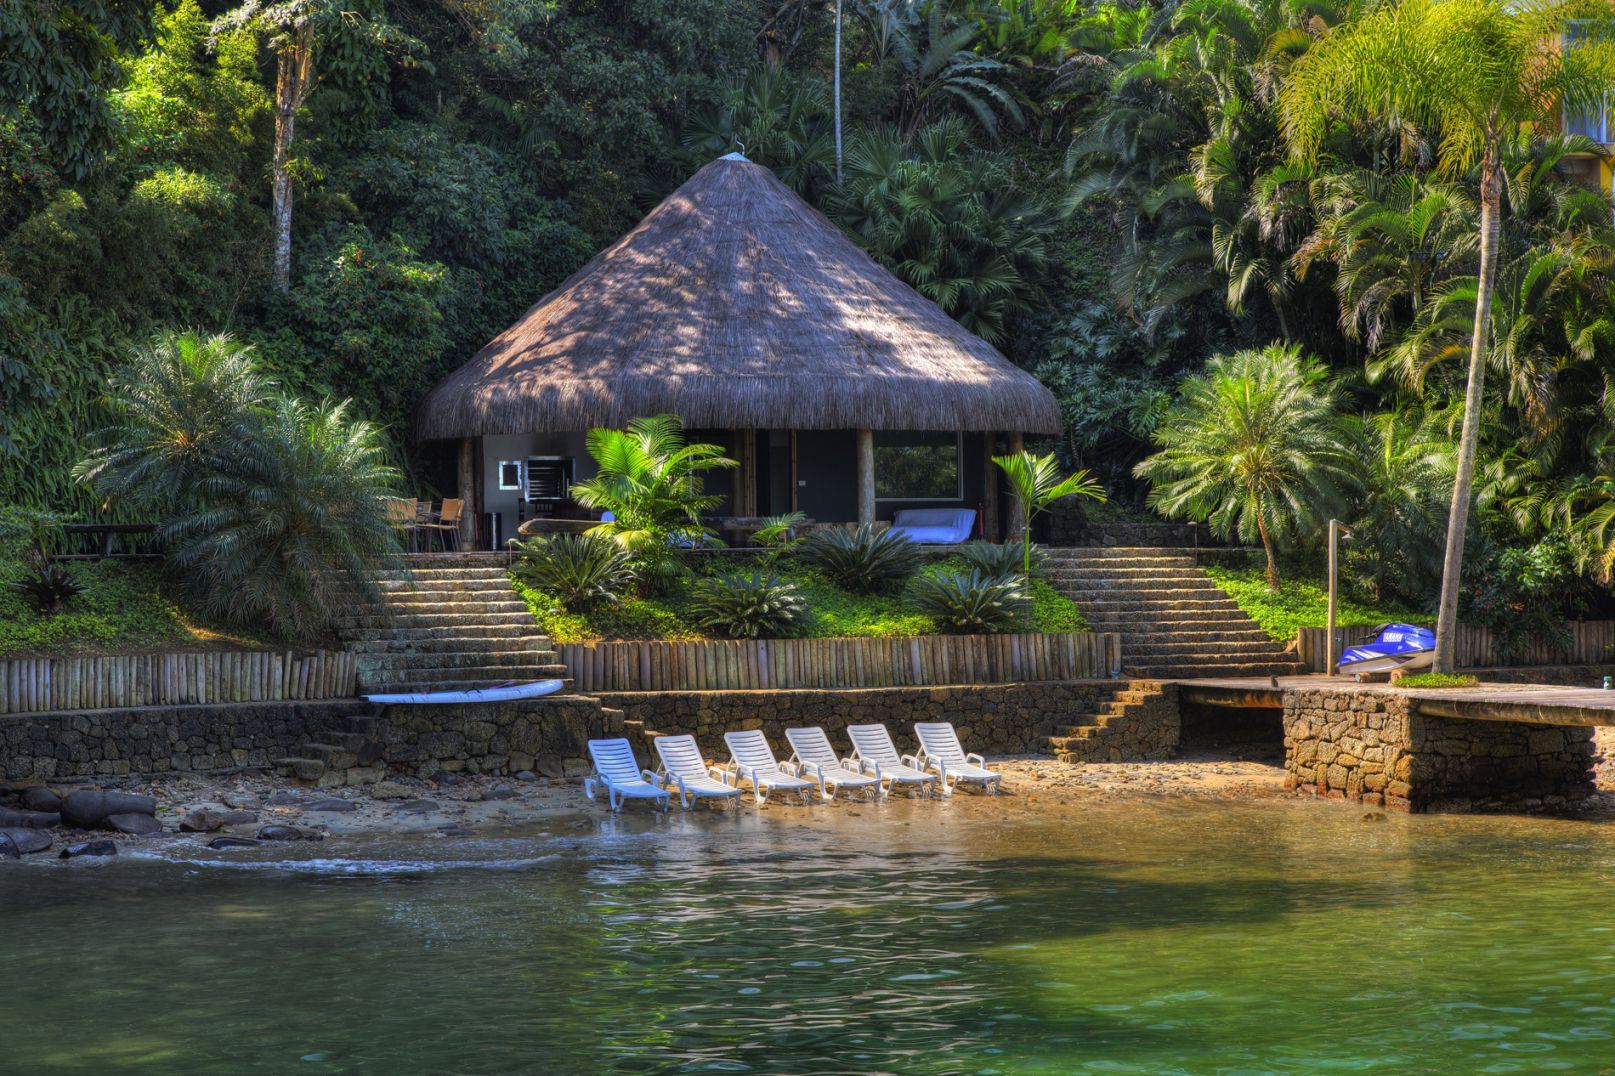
(989,495)
(1015,518)
(743,486)
(469,490)
(866,476)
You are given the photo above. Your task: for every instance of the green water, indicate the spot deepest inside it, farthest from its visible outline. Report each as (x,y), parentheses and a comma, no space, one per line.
(1148,936)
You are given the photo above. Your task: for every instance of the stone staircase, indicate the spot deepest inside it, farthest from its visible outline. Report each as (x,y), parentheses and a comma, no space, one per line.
(347,755)
(1173,620)
(1135,721)
(447,626)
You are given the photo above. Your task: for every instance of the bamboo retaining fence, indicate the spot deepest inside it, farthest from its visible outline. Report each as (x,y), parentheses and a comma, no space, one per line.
(28,685)
(1592,642)
(722,665)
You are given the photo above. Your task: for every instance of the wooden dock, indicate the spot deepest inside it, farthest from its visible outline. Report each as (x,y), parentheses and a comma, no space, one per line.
(1531,704)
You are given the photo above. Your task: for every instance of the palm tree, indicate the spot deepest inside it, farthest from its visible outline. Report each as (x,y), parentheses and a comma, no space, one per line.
(299,504)
(1404,464)
(183,400)
(650,480)
(939,66)
(1254,447)
(1479,72)
(1036,483)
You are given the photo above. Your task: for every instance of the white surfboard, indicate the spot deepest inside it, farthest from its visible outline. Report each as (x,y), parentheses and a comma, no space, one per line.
(498,693)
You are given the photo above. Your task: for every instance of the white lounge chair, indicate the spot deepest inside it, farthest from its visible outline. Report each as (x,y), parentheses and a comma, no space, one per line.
(813,757)
(683,768)
(874,753)
(753,760)
(616,769)
(940,751)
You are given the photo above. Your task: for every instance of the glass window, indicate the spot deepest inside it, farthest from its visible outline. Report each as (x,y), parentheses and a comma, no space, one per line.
(916,466)
(510,474)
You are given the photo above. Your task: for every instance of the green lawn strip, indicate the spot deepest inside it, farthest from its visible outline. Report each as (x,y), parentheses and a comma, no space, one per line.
(1301,603)
(832,612)
(1431,679)
(122,611)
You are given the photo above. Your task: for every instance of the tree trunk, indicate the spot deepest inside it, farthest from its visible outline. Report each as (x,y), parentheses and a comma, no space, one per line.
(1491,184)
(294,67)
(838,92)
(1267,548)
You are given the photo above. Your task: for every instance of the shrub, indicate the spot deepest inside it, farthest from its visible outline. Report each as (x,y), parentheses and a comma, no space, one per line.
(1431,679)
(862,561)
(990,558)
(746,604)
(971,602)
(263,503)
(578,570)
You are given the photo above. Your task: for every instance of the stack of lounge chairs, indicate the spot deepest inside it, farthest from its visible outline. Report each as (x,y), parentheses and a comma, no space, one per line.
(814,772)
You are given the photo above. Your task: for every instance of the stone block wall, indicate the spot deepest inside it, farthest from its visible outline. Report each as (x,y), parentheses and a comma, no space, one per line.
(1065,525)
(1373,747)
(550,736)
(149,740)
(991,718)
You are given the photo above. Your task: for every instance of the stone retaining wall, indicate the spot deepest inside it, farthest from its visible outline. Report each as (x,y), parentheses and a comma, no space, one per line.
(148,740)
(547,735)
(1371,746)
(1067,526)
(991,718)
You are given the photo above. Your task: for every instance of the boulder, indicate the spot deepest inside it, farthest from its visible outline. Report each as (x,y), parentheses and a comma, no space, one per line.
(10,819)
(241,801)
(527,775)
(280,833)
(40,798)
(28,841)
(232,842)
(89,808)
(102,847)
(333,804)
(501,792)
(209,819)
(416,807)
(136,825)
(8,848)
(285,797)
(390,790)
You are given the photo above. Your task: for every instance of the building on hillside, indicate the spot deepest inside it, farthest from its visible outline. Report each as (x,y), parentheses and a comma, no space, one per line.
(735,305)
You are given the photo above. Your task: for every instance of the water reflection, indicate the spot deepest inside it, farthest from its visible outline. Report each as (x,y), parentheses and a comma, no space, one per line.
(1146,936)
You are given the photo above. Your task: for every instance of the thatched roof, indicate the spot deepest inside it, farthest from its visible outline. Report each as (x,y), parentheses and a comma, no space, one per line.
(735,304)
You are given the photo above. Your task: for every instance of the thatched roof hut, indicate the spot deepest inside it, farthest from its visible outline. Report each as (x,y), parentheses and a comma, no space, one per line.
(735,305)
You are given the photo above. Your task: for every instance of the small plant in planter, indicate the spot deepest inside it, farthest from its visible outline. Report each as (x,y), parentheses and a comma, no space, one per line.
(864,561)
(578,570)
(746,604)
(966,603)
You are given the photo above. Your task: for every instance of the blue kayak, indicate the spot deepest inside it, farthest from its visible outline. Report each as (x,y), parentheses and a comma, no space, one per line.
(1394,646)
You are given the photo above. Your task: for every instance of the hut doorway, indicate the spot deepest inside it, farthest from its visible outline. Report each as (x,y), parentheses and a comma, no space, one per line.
(776,475)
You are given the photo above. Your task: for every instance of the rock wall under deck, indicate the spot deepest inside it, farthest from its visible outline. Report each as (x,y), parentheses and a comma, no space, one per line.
(1371,746)
(991,718)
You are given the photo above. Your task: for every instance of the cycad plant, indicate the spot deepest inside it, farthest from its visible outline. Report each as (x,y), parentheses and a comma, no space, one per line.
(1481,73)
(266,506)
(1254,447)
(1037,484)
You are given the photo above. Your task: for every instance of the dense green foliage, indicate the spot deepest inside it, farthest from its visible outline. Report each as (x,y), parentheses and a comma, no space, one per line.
(743,604)
(1303,602)
(272,513)
(1430,679)
(580,570)
(1107,190)
(862,561)
(821,608)
(970,602)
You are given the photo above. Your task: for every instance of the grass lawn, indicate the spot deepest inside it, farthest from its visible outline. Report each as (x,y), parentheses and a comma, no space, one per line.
(122,611)
(831,612)
(1301,603)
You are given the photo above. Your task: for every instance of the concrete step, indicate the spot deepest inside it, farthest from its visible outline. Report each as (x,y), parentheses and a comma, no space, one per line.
(418,686)
(1168,619)
(435,620)
(406,636)
(335,756)
(501,655)
(453,644)
(1184,606)
(507,603)
(1213,670)
(1152,590)
(1125,570)
(488,672)
(1144,643)
(1211,634)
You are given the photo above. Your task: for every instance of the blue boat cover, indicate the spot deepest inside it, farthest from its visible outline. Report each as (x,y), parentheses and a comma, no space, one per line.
(1393,639)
